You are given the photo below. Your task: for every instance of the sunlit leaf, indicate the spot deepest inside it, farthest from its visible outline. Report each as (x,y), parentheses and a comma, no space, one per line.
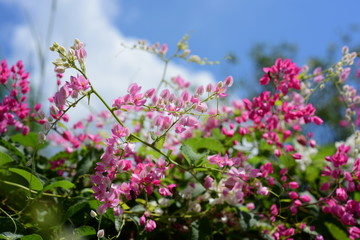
(4,158)
(30,140)
(64,184)
(34,182)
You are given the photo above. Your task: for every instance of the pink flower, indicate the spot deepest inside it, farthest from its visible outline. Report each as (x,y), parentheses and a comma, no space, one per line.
(293,195)
(284,74)
(142,220)
(297,156)
(180,82)
(164,192)
(229,81)
(341,194)
(293,185)
(150,226)
(305,198)
(119,131)
(354,233)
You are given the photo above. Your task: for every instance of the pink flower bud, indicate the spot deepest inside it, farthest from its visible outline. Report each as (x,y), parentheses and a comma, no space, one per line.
(150,93)
(293,185)
(250,206)
(305,198)
(209,88)
(54,110)
(25,130)
(312,143)
(341,194)
(317,120)
(293,195)
(150,226)
(142,220)
(165,192)
(297,202)
(297,156)
(37,107)
(200,90)
(229,81)
(185,96)
(165,94)
(325,186)
(277,153)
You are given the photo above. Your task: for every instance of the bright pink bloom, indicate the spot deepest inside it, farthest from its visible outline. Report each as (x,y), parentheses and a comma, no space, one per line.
(293,195)
(293,185)
(164,192)
(150,225)
(341,194)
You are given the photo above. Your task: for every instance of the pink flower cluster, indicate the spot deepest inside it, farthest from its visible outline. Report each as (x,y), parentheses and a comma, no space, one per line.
(284,75)
(14,109)
(239,182)
(277,116)
(346,180)
(144,174)
(72,89)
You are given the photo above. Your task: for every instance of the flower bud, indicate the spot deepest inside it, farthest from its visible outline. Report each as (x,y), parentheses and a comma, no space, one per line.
(229,81)
(200,90)
(93,213)
(209,88)
(185,53)
(194,58)
(60,69)
(100,233)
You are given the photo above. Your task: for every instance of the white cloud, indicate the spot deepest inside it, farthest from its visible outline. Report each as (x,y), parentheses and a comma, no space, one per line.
(110,67)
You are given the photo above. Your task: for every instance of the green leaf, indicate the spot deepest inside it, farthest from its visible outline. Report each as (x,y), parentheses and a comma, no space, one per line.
(336,232)
(4,158)
(85,164)
(247,220)
(31,237)
(153,135)
(138,209)
(216,132)
(30,140)
(59,124)
(12,149)
(357,196)
(191,157)
(34,182)
(141,201)
(200,229)
(75,208)
(94,204)
(195,230)
(287,161)
(131,138)
(206,143)
(64,184)
(85,231)
(159,143)
(312,173)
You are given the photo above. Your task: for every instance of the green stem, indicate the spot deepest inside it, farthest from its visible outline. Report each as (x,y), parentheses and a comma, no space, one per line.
(33,191)
(66,110)
(15,227)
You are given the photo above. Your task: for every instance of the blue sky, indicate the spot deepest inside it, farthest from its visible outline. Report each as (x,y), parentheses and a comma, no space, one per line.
(222,26)
(217,27)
